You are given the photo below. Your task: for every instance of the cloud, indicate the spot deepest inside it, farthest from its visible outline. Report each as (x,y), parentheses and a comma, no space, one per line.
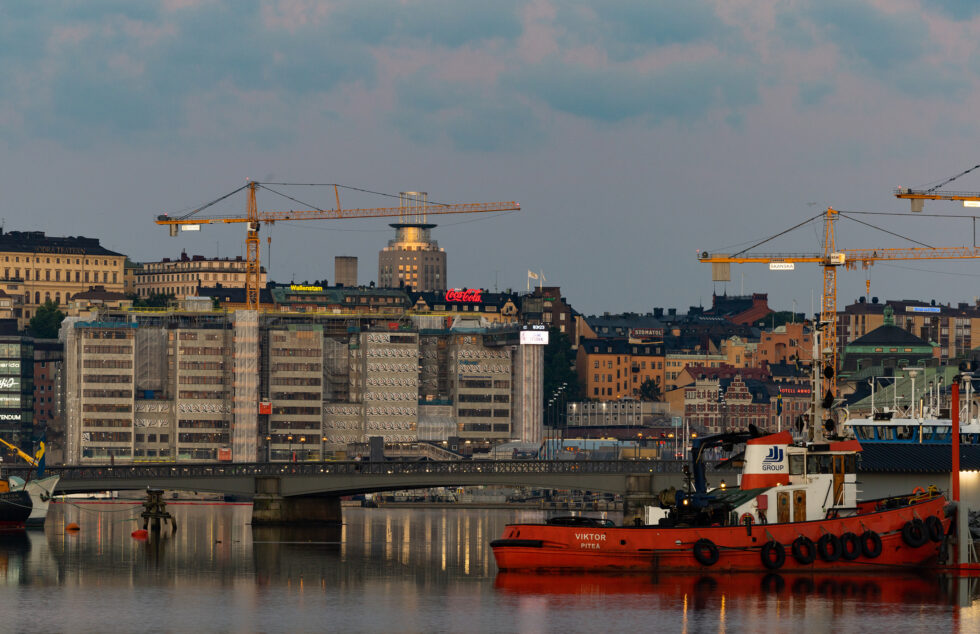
(683,92)
(956,9)
(876,40)
(631,28)
(471,117)
(448,23)
(813,93)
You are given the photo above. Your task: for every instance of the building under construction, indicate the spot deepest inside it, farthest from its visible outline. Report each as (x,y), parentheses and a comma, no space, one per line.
(247,386)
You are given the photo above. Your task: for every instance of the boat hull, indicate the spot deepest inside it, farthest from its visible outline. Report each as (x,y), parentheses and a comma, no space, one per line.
(542,547)
(41,491)
(15,508)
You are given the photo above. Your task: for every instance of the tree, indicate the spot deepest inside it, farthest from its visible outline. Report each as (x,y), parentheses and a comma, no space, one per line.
(650,390)
(559,369)
(46,321)
(156,300)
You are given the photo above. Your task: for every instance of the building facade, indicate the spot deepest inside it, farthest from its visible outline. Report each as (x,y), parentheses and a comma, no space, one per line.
(207,386)
(413,259)
(38,268)
(185,275)
(613,369)
(345,270)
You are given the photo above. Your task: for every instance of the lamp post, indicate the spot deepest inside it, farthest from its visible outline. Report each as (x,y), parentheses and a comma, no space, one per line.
(302,450)
(292,455)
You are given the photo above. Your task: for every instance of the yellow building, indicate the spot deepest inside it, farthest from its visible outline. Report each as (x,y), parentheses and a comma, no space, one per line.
(612,369)
(185,275)
(38,268)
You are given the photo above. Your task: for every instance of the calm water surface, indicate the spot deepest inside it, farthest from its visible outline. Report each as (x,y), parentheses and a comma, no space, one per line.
(407,570)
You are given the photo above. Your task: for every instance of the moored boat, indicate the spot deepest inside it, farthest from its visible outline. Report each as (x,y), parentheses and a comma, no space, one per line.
(795,509)
(41,490)
(15,507)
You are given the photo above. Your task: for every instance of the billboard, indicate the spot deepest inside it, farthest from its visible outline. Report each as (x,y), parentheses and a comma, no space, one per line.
(534,337)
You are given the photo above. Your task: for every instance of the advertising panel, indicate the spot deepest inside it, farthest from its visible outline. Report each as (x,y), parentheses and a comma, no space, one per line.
(534,337)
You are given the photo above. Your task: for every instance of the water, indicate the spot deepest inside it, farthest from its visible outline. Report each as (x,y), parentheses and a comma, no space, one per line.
(405,570)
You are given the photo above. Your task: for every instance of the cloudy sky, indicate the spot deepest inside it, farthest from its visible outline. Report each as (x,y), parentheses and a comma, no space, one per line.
(632,132)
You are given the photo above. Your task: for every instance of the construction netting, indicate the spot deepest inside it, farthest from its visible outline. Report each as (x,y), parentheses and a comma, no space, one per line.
(244,431)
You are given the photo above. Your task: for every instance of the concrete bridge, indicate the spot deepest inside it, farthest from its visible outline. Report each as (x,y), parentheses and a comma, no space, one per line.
(311,491)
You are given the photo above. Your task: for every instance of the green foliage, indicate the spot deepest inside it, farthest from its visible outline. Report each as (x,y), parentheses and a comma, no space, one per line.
(46,321)
(650,390)
(157,300)
(559,369)
(775,320)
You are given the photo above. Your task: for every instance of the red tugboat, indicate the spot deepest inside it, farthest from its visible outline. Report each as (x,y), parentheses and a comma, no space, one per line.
(795,509)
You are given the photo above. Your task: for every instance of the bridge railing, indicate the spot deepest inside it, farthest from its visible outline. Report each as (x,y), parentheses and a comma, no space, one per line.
(454,467)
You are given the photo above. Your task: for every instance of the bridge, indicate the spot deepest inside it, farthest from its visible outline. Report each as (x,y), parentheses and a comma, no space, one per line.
(311,491)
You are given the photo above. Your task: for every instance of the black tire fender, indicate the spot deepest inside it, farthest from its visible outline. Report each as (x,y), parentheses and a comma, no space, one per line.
(773,555)
(829,547)
(804,550)
(850,546)
(914,533)
(870,544)
(705,552)
(934,528)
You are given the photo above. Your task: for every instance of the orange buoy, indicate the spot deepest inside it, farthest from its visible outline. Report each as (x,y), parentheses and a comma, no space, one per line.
(140,534)
(71,528)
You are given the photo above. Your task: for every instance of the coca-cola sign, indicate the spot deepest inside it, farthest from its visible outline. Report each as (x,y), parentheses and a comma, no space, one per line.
(470,295)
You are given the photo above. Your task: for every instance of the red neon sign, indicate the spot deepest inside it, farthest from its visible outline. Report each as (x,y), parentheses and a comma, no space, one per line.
(471,295)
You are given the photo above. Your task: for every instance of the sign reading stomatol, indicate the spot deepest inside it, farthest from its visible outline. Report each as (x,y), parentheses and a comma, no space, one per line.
(469,295)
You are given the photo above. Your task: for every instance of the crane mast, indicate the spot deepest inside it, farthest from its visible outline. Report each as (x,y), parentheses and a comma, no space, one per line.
(255,219)
(830,260)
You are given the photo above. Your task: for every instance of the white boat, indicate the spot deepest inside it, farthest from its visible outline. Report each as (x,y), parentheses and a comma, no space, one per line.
(41,491)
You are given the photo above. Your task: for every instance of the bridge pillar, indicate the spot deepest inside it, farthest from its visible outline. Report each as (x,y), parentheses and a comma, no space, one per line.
(639,493)
(270,508)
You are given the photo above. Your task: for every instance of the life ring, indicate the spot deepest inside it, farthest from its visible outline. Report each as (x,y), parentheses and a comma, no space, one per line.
(773,555)
(705,552)
(850,546)
(804,550)
(914,533)
(870,544)
(918,491)
(747,518)
(934,527)
(829,547)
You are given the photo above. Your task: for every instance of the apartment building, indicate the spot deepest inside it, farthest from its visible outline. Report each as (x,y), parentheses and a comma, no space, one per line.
(612,369)
(38,268)
(185,275)
(206,386)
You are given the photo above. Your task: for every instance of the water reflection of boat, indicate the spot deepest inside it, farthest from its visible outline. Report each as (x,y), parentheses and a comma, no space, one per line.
(881,588)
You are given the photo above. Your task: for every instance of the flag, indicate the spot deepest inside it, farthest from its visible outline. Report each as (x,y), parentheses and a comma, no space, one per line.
(532,275)
(39,457)
(779,405)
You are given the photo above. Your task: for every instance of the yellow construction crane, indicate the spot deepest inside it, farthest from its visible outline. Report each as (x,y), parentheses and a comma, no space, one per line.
(831,260)
(26,457)
(419,208)
(918,196)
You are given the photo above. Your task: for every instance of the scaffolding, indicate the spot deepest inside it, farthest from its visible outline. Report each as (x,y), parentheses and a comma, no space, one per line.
(244,430)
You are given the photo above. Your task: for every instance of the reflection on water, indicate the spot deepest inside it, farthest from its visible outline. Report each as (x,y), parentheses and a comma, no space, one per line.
(407,570)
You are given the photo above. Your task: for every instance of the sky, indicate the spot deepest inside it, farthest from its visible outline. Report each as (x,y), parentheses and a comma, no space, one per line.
(633,134)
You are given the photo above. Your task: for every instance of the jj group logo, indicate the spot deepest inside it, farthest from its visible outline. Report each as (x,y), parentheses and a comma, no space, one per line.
(773,460)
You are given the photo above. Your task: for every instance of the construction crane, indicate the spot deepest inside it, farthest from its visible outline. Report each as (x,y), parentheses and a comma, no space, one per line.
(418,207)
(918,196)
(831,260)
(26,457)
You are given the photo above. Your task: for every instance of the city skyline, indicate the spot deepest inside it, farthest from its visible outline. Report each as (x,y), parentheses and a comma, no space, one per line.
(633,134)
